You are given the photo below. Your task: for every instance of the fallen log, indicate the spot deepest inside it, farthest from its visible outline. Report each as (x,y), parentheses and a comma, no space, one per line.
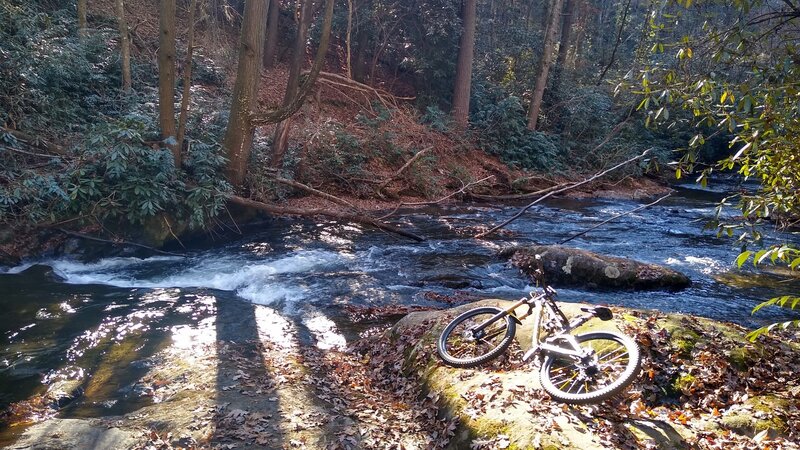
(574,267)
(310,212)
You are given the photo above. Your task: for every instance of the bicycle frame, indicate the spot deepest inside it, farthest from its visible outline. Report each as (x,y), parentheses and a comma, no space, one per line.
(537,304)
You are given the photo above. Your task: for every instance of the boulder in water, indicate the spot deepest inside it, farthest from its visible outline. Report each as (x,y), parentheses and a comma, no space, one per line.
(575,267)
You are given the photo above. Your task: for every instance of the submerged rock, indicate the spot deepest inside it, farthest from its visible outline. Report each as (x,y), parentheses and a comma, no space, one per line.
(43,272)
(574,267)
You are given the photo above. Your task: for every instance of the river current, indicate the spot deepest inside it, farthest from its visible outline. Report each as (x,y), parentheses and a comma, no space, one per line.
(313,277)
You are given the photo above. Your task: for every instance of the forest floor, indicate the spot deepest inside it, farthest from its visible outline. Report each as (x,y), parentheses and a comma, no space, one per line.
(702,386)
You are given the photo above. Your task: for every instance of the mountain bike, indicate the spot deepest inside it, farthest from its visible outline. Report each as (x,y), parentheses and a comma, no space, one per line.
(578,369)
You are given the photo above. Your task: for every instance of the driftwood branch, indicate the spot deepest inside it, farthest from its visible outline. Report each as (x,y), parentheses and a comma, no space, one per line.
(116,242)
(306,212)
(434,202)
(558,191)
(525,195)
(311,190)
(612,218)
(403,169)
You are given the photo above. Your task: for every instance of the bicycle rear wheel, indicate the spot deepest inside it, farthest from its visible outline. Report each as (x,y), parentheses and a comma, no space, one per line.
(461,346)
(612,365)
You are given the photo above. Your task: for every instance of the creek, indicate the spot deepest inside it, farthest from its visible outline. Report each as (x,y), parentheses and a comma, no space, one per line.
(308,282)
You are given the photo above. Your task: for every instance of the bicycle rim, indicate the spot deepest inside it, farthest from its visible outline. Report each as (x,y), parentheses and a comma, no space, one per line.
(614,366)
(458,345)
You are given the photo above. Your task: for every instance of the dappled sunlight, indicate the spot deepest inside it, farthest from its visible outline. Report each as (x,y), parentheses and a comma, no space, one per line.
(326,334)
(274,328)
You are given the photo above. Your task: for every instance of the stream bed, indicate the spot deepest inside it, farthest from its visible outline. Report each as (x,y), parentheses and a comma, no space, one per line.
(100,321)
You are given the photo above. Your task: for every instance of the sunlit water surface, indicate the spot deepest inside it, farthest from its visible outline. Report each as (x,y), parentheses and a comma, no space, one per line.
(307,277)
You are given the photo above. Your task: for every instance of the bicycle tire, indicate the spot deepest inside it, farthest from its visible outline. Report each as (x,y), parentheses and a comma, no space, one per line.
(619,360)
(452,350)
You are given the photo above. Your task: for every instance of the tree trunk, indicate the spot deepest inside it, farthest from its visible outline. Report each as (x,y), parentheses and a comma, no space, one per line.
(617,41)
(547,60)
(360,59)
(581,23)
(166,77)
(563,48)
(239,134)
(82,24)
(187,77)
(271,45)
(348,37)
(281,138)
(463,79)
(124,45)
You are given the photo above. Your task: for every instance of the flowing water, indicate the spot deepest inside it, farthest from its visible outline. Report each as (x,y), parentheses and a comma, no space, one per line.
(100,321)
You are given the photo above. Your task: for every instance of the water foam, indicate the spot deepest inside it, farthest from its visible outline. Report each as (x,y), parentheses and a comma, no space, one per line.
(258,280)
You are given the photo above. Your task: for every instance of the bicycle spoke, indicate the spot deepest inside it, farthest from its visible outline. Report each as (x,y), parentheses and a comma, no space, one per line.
(574,383)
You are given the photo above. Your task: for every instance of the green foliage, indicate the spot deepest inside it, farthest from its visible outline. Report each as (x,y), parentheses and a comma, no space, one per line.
(501,124)
(48,76)
(736,76)
(781,254)
(436,119)
(118,177)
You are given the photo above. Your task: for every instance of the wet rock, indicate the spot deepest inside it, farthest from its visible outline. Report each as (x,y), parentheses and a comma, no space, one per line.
(452,281)
(62,393)
(574,267)
(43,272)
(58,434)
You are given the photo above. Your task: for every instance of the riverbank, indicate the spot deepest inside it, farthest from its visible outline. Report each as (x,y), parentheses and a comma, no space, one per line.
(702,386)
(17,245)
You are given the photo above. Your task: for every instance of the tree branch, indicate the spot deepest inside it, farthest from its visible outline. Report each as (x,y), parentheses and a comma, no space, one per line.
(558,191)
(34,141)
(403,169)
(434,202)
(318,193)
(617,216)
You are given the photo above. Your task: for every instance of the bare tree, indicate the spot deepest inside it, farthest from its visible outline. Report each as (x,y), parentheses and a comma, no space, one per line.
(280,141)
(463,81)
(565,44)
(166,77)
(239,134)
(547,60)
(124,44)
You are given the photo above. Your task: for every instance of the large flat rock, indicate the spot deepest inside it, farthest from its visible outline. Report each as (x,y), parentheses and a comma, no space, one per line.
(60,434)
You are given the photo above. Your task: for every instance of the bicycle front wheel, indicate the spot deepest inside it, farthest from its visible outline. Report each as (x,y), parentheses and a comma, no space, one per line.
(460,345)
(611,365)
